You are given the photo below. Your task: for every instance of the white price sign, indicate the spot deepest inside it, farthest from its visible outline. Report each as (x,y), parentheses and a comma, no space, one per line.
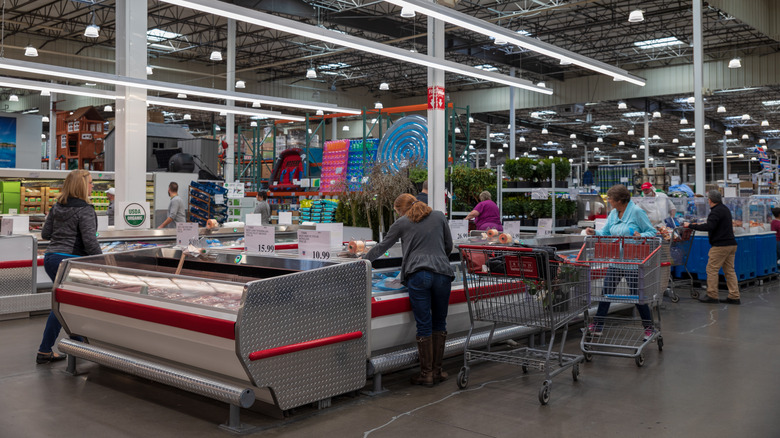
(540,193)
(259,239)
(285,218)
(336,233)
(512,228)
(314,244)
(7,226)
(544,227)
(254,219)
(185,231)
(219,199)
(459,229)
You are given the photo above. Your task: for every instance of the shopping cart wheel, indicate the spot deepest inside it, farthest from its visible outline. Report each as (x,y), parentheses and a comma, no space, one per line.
(525,369)
(575,371)
(588,356)
(674,297)
(544,392)
(694,294)
(640,360)
(463,378)
(660,342)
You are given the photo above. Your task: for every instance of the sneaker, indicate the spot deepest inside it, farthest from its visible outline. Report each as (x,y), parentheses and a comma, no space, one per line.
(593,330)
(648,333)
(731,301)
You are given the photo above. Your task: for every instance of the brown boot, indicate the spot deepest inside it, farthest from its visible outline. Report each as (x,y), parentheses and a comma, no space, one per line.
(439,342)
(425,353)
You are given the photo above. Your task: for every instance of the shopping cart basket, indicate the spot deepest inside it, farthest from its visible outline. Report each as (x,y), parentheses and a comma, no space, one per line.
(622,270)
(675,249)
(522,286)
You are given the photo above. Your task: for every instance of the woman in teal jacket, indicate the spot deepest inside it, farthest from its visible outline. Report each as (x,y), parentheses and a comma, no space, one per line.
(625,219)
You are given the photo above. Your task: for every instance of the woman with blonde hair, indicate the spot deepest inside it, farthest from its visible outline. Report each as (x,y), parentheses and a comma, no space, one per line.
(426,243)
(71,229)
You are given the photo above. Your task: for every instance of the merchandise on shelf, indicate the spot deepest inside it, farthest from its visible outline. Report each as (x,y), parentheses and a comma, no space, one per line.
(609,175)
(361,156)
(288,170)
(321,211)
(334,165)
(207,201)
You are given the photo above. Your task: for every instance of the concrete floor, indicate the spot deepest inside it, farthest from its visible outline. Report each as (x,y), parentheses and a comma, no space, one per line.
(714,378)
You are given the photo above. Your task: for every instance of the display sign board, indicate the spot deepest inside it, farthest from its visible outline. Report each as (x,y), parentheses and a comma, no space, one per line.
(185,232)
(336,233)
(254,219)
(102,223)
(131,215)
(314,244)
(285,218)
(512,228)
(540,193)
(260,239)
(459,229)
(7,226)
(544,227)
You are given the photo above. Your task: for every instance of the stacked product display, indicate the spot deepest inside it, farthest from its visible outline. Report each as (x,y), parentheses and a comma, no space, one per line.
(32,201)
(334,165)
(321,211)
(207,201)
(361,156)
(10,195)
(99,200)
(608,176)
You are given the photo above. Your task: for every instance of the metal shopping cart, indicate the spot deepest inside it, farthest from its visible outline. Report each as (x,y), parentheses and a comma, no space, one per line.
(522,286)
(622,270)
(674,252)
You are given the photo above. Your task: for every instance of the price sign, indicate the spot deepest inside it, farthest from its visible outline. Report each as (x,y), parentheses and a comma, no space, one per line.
(102,223)
(185,231)
(459,229)
(544,227)
(336,233)
(7,226)
(624,179)
(512,228)
(13,211)
(541,194)
(219,199)
(254,219)
(285,218)
(259,239)
(314,244)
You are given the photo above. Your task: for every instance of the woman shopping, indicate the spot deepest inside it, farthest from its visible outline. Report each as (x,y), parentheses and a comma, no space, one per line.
(486,214)
(626,219)
(425,270)
(71,229)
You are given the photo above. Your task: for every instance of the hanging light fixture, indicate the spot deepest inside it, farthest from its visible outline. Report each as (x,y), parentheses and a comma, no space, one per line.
(656,137)
(633,155)
(675,141)
(652,159)
(656,114)
(345,128)
(683,121)
(761,141)
(45,93)
(30,51)
(216,55)
(43,136)
(407,12)
(457,130)
(745,116)
(574,145)
(729,153)
(735,63)
(721,109)
(45,119)
(745,137)
(681,154)
(709,160)
(223,113)
(741,155)
(728,132)
(181,96)
(471,119)
(599,140)
(549,143)
(499,41)
(253,124)
(108,109)
(149,70)
(636,16)
(319,113)
(187,117)
(596,149)
(706,126)
(240,84)
(217,128)
(473,142)
(378,105)
(753,159)
(541,84)
(256,104)
(672,161)
(641,146)
(384,86)
(622,105)
(521,139)
(603,128)
(630,132)
(13,98)
(545,131)
(765,123)
(533,149)
(92,31)
(661,151)
(311,73)
(560,152)
(573,136)
(621,143)
(471,147)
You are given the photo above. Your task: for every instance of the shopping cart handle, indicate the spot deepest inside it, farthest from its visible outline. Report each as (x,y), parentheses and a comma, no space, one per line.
(502,248)
(663,264)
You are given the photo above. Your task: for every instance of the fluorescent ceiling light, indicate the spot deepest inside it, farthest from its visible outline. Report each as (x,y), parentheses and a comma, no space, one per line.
(92,31)
(636,16)
(30,51)
(735,63)
(771,102)
(635,114)
(772,131)
(658,42)
(304,30)
(71,73)
(216,55)
(159,35)
(477,25)
(215,108)
(334,66)
(311,74)
(407,12)
(486,67)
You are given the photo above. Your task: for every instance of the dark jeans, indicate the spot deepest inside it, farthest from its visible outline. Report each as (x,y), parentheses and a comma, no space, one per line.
(51,262)
(429,294)
(611,282)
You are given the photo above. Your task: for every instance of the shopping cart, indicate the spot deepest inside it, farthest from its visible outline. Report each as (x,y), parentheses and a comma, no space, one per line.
(622,270)
(522,286)
(674,252)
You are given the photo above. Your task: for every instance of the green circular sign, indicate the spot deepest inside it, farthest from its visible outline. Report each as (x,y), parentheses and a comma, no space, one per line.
(134,214)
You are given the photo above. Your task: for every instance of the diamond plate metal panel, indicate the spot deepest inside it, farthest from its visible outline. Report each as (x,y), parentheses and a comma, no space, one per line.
(25,303)
(301,307)
(16,281)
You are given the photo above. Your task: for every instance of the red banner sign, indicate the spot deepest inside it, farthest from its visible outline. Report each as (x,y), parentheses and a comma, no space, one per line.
(436,98)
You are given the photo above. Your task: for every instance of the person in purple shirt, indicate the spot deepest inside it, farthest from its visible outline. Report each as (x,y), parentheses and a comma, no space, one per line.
(485,214)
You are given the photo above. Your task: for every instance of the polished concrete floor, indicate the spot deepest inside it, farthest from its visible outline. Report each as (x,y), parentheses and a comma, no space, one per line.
(717,376)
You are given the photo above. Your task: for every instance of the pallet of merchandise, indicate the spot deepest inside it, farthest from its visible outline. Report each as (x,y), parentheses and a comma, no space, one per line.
(31,201)
(50,195)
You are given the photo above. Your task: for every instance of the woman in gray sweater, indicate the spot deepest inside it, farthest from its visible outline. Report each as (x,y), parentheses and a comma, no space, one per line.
(71,228)
(425,270)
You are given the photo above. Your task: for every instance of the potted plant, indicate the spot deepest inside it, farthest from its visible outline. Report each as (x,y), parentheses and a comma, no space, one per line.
(525,170)
(542,172)
(562,171)
(511,167)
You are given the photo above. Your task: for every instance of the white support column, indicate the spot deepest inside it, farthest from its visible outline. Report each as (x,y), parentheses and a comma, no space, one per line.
(725,164)
(334,129)
(487,142)
(512,92)
(647,141)
(698,83)
(230,119)
(437,152)
(53,140)
(130,146)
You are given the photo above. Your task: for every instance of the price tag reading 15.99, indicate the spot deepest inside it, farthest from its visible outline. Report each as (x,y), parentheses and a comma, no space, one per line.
(259,239)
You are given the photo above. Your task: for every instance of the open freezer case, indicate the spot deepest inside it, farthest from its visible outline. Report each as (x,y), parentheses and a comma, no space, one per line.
(291,332)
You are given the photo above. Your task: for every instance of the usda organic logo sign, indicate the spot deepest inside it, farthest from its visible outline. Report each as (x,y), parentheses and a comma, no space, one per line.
(135,215)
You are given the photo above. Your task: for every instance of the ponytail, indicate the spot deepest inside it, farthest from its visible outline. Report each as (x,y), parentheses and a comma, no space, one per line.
(407,205)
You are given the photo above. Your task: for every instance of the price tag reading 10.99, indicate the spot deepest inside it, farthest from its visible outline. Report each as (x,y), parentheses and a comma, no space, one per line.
(320,255)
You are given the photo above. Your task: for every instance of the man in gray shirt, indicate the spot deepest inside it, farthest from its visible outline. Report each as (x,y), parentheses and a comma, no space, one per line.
(176,210)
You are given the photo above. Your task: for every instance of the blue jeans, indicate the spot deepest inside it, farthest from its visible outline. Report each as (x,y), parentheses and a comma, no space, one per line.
(611,281)
(429,294)
(51,262)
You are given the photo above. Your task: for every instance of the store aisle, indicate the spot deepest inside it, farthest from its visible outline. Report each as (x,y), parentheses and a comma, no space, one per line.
(715,378)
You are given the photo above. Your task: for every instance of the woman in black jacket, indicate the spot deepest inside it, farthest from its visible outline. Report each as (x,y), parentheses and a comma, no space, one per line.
(71,228)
